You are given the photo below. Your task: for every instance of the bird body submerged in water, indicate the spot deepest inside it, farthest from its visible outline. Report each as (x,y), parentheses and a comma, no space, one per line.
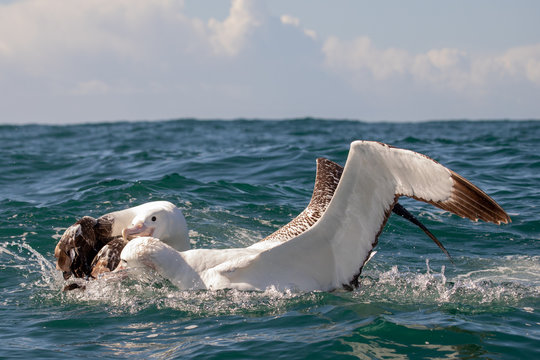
(323,248)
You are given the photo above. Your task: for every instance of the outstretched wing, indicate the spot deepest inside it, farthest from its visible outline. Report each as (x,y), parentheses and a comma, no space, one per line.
(332,252)
(326,182)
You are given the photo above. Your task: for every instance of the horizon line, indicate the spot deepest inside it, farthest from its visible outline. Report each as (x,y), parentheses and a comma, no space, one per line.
(241,118)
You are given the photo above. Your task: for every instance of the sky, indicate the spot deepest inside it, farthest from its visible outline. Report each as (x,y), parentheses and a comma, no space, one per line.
(73,61)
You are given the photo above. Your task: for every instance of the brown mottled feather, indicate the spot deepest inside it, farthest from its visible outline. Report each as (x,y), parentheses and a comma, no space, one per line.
(108,258)
(326,182)
(79,245)
(103,228)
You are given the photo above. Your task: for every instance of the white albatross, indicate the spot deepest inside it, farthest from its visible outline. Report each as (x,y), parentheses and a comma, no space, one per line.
(330,253)
(91,247)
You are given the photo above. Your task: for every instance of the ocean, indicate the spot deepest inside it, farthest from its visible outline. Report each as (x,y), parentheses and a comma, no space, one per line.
(236,182)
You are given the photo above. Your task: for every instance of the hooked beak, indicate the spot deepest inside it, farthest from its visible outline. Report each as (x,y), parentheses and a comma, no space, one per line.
(137,230)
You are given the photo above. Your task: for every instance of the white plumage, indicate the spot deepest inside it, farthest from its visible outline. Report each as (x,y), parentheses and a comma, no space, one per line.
(331,253)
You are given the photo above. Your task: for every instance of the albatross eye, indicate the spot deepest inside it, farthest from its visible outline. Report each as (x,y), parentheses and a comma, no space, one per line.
(153,218)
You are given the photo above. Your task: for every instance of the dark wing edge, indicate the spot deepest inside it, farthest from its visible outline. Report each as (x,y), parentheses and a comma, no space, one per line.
(468,201)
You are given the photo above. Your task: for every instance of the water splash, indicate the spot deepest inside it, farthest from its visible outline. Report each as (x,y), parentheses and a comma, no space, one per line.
(18,254)
(512,281)
(140,292)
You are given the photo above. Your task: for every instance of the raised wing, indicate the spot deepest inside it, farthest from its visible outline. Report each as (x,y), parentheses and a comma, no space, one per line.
(332,252)
(326,182)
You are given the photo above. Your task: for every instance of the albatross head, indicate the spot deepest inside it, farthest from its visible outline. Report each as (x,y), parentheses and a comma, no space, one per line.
(162,220)
(142,252)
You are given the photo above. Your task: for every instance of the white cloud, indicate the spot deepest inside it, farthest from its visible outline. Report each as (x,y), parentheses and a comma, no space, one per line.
(442,69)
(38,34)
(311,33)
(359,56)
(43,35)
(97,47)
(133,59)
(146,59)
(230,35)
(522,61)
(294,21)
(290,20)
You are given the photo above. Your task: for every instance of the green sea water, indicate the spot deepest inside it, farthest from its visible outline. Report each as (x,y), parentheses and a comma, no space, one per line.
(238,181)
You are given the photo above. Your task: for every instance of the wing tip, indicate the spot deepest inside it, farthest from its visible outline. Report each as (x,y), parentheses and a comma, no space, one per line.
(469,201)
